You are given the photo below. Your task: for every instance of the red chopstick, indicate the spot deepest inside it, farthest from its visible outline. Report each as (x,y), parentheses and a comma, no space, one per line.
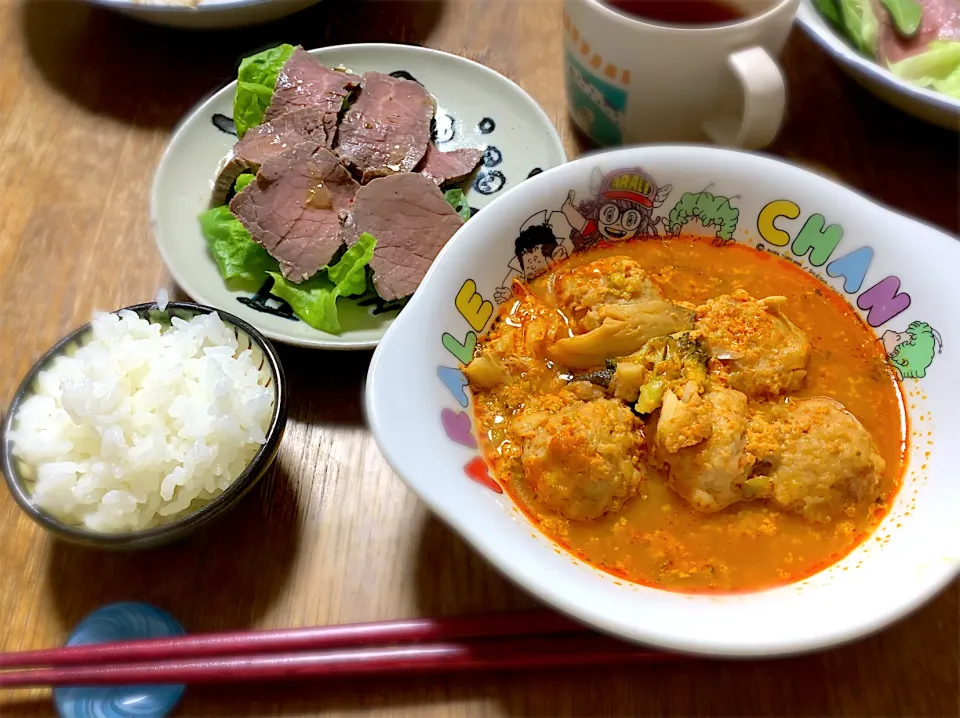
(289,640)
(443,657)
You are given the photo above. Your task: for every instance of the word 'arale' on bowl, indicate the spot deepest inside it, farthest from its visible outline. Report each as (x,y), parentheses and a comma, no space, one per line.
(892,271)
(21,477)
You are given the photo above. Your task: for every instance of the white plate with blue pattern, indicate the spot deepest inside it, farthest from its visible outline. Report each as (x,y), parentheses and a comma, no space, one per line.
(476,107)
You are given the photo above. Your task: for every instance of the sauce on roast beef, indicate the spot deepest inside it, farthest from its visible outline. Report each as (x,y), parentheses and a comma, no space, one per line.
(266,140)
(387,129)
(411,221)
(293,208)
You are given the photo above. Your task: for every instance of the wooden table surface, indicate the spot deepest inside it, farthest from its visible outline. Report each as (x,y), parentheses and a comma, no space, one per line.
(87,102)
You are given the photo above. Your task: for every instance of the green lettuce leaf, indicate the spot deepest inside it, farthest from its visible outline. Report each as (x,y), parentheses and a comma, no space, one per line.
(861,24)
(243,263)
(349,274)
(938,67)
(243,180)
(458,200)
(315,300)
(256,79)
(905,15)
(830,10)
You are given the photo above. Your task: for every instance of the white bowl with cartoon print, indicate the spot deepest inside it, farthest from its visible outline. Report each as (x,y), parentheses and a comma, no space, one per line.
(897,272)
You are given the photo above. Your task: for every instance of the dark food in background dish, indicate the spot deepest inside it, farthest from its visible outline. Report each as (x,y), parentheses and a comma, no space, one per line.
(452,166)
(293,208)
(304,82)
(388,128)
(411,220)
(268,140)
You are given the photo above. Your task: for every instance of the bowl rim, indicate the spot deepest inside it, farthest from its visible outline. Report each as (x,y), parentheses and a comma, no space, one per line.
(245,481)
(322,342)
(163,9)
(843,53)
(541,589)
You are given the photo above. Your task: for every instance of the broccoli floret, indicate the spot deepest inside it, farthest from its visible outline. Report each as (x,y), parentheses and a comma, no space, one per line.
(677,362)
(601,377)
(650,396)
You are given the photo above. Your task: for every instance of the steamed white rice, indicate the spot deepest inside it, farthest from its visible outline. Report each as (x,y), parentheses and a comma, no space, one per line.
(143,423)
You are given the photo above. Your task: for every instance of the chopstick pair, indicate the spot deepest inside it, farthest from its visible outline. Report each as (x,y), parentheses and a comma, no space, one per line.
(498,641)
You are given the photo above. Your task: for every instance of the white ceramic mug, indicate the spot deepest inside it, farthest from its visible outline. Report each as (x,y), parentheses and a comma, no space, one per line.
(632,80)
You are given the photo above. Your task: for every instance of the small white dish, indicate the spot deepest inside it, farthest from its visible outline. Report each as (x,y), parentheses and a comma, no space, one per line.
(420,409)
(206,14)
(477,107)
(925,104)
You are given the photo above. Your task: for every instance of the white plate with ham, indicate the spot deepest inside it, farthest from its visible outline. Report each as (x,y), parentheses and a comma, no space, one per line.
(906,52)
(311,197)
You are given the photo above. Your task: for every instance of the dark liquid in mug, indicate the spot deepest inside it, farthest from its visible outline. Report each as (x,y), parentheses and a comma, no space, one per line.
(679,12)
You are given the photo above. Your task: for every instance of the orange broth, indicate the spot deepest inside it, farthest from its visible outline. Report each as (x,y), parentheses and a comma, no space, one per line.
(657,539)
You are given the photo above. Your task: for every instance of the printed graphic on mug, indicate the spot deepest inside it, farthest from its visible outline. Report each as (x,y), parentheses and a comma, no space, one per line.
(597,105)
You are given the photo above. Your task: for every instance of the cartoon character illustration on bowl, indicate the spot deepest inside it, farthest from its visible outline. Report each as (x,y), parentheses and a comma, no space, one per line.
(541,244)
(622,209)
(703,214)
(912,351)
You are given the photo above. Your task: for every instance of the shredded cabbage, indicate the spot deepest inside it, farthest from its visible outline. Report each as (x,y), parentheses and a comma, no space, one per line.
(938,67)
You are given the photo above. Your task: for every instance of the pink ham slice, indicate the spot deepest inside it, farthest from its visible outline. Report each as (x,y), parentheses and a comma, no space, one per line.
(940,21)
(293,208)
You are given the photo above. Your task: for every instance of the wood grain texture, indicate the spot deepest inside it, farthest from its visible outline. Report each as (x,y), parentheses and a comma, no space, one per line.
(87,102)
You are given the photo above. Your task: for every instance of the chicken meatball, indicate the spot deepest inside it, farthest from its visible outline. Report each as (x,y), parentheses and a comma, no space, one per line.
(814,458)
(700,442)
(584,460)
(614,309)
(755,348)
(579,291)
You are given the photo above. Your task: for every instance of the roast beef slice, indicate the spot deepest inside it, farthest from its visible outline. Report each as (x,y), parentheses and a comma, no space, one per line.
(411,221)
(266,140)
(387,129)
(304,82)
(451,166)
(294,206)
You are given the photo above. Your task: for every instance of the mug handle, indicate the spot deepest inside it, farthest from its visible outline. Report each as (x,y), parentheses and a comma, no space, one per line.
(764,101)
